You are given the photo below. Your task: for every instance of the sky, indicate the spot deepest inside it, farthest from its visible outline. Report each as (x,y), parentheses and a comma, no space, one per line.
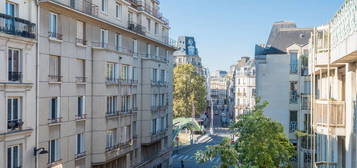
(226,30)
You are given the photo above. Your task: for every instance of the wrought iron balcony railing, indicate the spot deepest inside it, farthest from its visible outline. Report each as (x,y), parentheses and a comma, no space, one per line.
(85,6)
(15,76)
(55,78)
(17,26)
(14,124)
(138,28)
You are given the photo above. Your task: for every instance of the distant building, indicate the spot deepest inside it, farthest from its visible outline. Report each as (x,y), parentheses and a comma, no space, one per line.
(219,91)
(241,89)
(281,79)
(187,53)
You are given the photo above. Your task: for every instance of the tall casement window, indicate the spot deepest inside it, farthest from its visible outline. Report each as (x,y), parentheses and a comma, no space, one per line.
(12,11)
(130,17)
(14,65)
(135,47)
(53,25)
(55,69)
(162,75)
(112,105)
(293,121)
(81,76)
(112,73)
(134,73)
(118,42)
(134,129)
(81,33)
(154,75)
(125,103)
(103,38)
(110,138)
(148,46)
(157,51)
(134,101)
(156,28)
(118,10)
(104,6)
(55,108)
(14,156)
(154,126)
(124,72)
(293,63)
(81,107)
(149,24)
(293,92)
(80,145)
(14,113)
(53,151)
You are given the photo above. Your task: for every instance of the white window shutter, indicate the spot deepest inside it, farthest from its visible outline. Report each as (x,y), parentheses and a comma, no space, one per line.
(58,103)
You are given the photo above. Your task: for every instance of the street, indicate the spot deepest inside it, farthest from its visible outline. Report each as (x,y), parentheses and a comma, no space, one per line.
(187,154)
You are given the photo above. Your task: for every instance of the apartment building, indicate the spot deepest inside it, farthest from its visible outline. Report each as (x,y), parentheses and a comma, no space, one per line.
(281,79)
(17,83)
(91,88)
(219,92)
(243,91)
(187,52)
(333,70)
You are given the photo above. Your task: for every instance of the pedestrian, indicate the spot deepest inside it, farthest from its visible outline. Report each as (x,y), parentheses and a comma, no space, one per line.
(182,165)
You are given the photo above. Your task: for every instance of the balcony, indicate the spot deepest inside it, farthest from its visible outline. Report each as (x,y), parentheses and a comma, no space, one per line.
(108,46)
(138,28)
(112,81)
(17,26)
(84,6)
(158,109)
(54,121)
(55,78)
(323,164)
(81,80)
(15,76)
(80,155)
(81,41)
(15,124)
(125,112)
(329,113)
(128,82)
(156,57)
(81,117)
(159,83)
(55,35)
(155,136)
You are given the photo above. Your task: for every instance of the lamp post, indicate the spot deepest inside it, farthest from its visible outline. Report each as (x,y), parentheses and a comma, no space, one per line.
(211,121)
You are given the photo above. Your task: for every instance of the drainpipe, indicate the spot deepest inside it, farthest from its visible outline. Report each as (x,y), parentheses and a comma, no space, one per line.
(37,80)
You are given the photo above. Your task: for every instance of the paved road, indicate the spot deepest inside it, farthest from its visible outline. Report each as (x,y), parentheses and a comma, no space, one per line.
(187,154)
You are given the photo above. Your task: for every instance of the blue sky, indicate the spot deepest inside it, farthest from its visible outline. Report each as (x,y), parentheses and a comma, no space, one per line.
(225,30)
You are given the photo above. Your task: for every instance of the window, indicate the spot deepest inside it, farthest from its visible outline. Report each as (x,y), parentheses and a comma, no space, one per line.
(149,24)
(14,65)
(293,92)
(157,51)
(128,133)
(81,107)
(55,109)
(156,28)
(153,126)
(135,47)
(11,9)
(81,70)
(118,42)
(110,138)
(81,33)
(162,123)
(104,5)
(53,151)
(55,68)
(293,62)
(14,156)
(134,128)
(125,104)
(112,72)
(130,17)
(80,144)
(134,101)
(14,113)
(154,75)
(53,27)
(154,100)
(293,121)
(148,50)
(118,10)
(103,38)
(111,105)
(124,72)
(162,75)
(133,73)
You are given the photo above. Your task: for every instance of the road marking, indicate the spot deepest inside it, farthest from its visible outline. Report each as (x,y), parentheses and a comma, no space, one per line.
(173,156)
(192,158)
(180,157)
(216,160)
(186,157)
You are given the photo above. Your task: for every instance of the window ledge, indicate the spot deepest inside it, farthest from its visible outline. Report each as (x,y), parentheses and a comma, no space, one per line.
(55,163)
(55,40)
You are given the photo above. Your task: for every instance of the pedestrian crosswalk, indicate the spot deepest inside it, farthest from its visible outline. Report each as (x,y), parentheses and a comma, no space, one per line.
(180,157)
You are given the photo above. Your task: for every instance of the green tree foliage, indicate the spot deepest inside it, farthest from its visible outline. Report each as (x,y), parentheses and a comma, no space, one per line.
(261,143)
(189,91)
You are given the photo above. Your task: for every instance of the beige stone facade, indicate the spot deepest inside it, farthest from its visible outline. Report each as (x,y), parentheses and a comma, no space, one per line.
(97,92)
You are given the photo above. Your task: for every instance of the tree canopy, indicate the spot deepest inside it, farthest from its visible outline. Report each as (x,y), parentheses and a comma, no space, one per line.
(189,91)
(261,143)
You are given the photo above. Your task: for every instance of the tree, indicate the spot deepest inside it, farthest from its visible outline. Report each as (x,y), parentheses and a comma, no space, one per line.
(261,143)
(189,91)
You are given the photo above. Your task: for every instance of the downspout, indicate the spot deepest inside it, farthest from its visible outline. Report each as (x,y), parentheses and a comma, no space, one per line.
(37,80)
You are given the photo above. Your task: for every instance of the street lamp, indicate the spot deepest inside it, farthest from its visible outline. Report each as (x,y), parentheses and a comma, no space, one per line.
(42,151)
(211,121)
